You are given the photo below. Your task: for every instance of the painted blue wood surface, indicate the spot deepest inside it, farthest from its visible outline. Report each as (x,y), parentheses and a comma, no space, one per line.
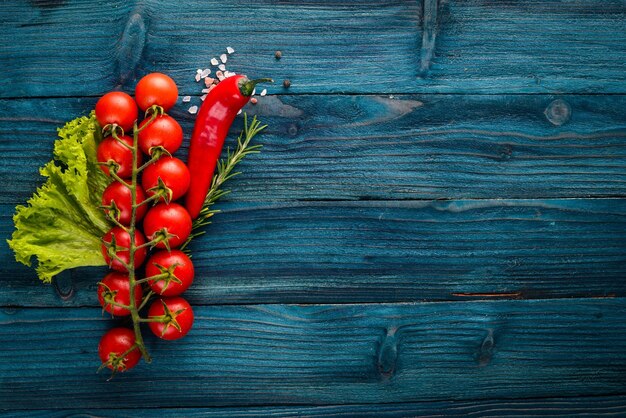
(81,47)
(382,251)
(344,206)
(599,406)
(326,354)
(375,147)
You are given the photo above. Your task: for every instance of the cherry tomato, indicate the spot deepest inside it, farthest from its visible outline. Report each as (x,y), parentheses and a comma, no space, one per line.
(117,107)
(122,240)
(115,343)
(181,267)
(116,287)
(156,89)
(163,131)
(170,217)
(172,171)
(111,150)
(120,194)
(175,309)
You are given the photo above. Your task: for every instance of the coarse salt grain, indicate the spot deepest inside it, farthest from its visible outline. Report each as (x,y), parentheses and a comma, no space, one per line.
(208,81)
(186,99)
(264,92)
(205,73)
(229,50)
(239,113)
(197,77)
(254,100)
(224,58)
(220,75)
(253,91)
(222,67)
(203,97)
(214,61)
(205,90)
(228,74)
(193,110)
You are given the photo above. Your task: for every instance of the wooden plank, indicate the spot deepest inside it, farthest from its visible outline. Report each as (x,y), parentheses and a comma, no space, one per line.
(325,354)
(382,251)
(83,48)
(599,406)
(374,147)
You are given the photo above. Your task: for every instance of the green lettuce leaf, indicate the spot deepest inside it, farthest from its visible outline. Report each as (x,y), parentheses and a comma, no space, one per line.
(62,224)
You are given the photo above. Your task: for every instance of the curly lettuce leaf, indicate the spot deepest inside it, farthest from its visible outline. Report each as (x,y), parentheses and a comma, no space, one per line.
(62,224)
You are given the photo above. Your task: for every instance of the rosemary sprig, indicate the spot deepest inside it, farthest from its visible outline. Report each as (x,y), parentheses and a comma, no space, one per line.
(225,172)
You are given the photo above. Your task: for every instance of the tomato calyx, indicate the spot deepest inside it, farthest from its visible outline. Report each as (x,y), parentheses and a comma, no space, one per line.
(117,362)
(162,191)
(112,129)
(111,165)
(154,111)
(112,212)
(112,249)
(168,318)
(158,151)
(109,296)
(164,236)
(167,275)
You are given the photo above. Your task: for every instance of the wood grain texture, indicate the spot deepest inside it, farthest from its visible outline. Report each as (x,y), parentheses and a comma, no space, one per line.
(382,251)
(272,248)
(376,147)
(326,354)
(79,47)
(600,406)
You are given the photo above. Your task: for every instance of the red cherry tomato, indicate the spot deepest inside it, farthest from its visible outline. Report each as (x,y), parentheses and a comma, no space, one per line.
(116,287)
(117,107)
(110,149)
(120,194)
(170,217)
(122,240)
(172,171)
(156,89)
(182,269)
(115,343)
(163,131)
(176,308)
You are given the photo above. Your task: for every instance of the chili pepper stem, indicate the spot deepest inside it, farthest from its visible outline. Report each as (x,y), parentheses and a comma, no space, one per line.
(246,87)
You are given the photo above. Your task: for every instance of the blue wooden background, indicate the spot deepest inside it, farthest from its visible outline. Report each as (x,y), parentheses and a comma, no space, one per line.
(436,224)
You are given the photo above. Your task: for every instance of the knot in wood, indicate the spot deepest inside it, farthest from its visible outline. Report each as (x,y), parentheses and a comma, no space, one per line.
(558,112)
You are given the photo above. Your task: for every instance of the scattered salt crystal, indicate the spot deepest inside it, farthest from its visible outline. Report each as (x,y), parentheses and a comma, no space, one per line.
(229,50)
(214,61)
(203,97)
(264,92)
(197,77)
(253,91)
(239,113)
(228,74)
(254,100)
(193,110)
(205,73)
(186,99)
(205,90)
(224,58)
(199,70)
(222,67)
(212,87)
(208,81)
(220,75)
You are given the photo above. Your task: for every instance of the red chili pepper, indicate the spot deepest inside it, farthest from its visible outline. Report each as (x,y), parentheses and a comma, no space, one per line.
(212,124)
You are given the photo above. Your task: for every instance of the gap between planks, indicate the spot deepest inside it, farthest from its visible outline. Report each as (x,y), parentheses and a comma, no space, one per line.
(479,298)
